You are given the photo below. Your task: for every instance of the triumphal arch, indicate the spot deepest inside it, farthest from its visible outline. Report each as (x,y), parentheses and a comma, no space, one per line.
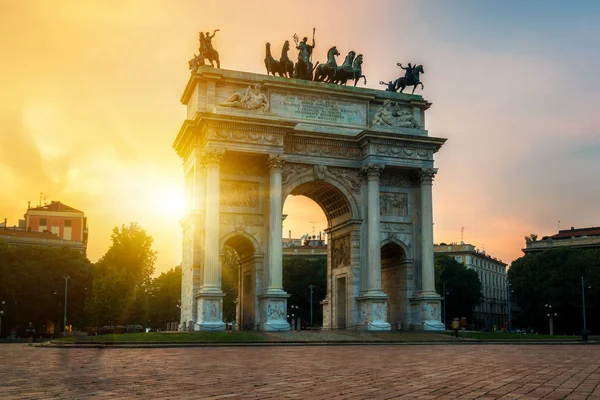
(364,155)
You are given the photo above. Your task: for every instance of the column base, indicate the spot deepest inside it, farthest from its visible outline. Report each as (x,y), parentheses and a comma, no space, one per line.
(210,312)
(373,311)
(425,312)
(273,316)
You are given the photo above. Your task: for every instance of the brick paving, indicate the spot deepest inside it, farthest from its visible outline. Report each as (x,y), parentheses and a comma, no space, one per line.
(303,372)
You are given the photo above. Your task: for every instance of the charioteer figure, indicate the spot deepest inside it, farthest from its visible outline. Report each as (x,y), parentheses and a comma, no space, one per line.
(304,68)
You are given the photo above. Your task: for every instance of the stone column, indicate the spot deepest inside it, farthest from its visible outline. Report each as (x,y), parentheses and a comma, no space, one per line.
(425,305)
(372,172)
(373,303)
(273,302)
(275,283)
(427,264)
(210,296)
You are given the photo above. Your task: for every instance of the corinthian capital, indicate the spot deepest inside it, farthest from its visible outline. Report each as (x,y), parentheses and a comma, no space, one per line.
(425,175)
(276,162)
(372,171)
(212,157)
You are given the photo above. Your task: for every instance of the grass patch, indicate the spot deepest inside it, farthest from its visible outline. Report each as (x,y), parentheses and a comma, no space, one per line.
(510,336)
(164,337)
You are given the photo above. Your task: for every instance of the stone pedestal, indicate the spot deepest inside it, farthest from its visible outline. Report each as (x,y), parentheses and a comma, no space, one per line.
(373,312)
(210,312)
(326,313)
(425,311)
(273,316)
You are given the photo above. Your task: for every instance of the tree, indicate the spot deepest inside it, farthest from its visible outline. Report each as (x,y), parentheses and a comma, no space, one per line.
(164,298)
(298,274)
(463,288)
(230,269)
(554,277)
(33,286)
(122,278)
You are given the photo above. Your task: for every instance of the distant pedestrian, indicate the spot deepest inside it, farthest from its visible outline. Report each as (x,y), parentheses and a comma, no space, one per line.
(30,331)
(455,326)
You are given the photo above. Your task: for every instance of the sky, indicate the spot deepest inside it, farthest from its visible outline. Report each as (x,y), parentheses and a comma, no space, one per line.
(89,106)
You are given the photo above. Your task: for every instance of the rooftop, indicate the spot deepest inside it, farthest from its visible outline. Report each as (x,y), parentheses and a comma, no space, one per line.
(55,206)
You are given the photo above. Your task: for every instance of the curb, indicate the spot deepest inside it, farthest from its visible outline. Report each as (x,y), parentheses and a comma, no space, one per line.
(146,345)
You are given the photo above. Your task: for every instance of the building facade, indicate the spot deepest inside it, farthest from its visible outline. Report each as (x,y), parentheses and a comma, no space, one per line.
(581,238)
(493,309)
(53,225)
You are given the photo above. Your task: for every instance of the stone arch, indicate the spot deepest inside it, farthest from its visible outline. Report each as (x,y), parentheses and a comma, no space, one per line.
(246,302)
(395,281)
(393,238)
(236,238)
(329,193)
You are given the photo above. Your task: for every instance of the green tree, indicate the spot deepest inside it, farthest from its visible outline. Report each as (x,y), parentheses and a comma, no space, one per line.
(554,277)
(229,283)
(298,274)
(122,279)
(33,286)
(164,298)
(463,288)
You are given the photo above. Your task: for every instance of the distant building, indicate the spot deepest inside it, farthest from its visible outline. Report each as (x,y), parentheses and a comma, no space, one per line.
(306,247)
(493,310)
(54,225)
(581,238)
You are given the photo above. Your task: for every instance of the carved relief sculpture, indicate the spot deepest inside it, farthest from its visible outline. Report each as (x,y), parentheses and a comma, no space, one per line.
(239,194)
(253,99)
(393,204)
(390,114)
(293,170)
(341,252)
(347,176)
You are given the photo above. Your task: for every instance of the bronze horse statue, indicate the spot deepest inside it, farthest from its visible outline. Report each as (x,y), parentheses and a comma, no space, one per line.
(412,78)
(284,67)
(326,72)
(287,65)
(350,69)
(273,66)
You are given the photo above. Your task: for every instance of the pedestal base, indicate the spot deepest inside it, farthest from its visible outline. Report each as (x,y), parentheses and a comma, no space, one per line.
(326,313)
(210,312)
(273,316)
(425,312)
(373,311)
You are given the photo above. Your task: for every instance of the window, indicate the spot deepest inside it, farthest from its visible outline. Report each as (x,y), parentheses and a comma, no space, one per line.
(67,223)
(43,222)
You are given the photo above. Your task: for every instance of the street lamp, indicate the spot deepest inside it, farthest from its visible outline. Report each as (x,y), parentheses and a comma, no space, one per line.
(444,300)
(584,335)
(66,277)
(551,316)
(311,287)
(508,303)
(1,315)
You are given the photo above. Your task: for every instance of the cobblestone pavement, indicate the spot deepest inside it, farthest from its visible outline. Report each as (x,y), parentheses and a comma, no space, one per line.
(303,372)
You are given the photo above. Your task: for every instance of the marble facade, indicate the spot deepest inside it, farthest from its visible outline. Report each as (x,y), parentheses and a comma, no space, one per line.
(363,155)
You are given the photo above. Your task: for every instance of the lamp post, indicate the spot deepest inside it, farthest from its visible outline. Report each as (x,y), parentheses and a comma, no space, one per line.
(445,303)
(311,287)
(1,315)
(551,316)
(508,304)
(65,314)
(584,335)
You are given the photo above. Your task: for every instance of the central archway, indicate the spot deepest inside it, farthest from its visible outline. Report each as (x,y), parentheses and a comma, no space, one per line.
(339,205)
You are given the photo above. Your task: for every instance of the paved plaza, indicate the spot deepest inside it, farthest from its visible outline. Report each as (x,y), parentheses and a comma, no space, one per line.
(303,372)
